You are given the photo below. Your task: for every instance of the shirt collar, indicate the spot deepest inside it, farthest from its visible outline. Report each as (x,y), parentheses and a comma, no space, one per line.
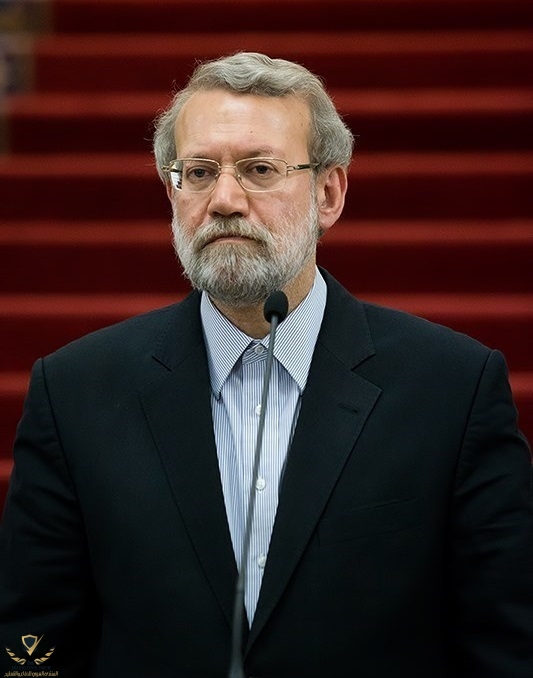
(295,338)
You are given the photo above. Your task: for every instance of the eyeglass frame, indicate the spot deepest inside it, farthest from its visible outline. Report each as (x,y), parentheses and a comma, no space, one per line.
(288,168)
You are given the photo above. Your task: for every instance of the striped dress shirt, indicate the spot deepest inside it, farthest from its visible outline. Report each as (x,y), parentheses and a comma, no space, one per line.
(237,365)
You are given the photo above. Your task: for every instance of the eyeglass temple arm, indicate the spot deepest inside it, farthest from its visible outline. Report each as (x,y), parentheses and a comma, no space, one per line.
(309,165)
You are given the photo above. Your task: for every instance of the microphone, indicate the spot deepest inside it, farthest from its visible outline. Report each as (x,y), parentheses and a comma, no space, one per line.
(275,311)
(276,308)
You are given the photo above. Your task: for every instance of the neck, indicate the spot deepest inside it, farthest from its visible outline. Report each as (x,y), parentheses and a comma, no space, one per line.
(250,319)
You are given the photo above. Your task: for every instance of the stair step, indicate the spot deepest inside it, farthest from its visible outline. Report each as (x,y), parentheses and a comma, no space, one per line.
(133,62)
(392,120)
(383,186)
(440,256)
(33,325)
(339,15)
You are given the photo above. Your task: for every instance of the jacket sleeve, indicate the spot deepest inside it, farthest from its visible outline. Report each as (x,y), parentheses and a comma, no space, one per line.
(491,594)
(46,588)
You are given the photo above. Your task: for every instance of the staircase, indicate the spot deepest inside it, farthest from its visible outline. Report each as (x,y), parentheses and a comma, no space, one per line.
(439,216)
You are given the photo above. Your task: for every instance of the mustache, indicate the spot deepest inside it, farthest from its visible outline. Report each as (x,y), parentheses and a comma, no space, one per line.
(230,227)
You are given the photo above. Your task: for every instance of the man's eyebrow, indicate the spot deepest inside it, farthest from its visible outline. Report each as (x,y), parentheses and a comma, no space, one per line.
(254,153)
(262,152)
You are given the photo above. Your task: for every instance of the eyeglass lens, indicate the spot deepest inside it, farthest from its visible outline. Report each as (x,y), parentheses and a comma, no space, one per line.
(253,174)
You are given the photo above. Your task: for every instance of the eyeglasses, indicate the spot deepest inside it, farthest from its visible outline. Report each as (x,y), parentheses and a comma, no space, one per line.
(258,175)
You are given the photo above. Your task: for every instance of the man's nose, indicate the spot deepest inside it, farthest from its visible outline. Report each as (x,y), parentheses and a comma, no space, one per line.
(228,197)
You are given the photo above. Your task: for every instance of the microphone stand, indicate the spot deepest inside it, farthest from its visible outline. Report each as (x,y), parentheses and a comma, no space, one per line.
(276,307)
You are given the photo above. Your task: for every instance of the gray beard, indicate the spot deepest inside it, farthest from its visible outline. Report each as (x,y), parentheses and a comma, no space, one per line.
(243,274)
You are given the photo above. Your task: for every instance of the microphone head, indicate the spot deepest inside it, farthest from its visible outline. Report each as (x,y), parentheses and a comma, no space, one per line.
(276,304)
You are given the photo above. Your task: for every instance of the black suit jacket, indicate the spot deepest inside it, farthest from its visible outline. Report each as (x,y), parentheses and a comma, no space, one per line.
(402,544)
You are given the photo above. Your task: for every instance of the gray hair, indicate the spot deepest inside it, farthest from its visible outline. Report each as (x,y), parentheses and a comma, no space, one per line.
(330,139)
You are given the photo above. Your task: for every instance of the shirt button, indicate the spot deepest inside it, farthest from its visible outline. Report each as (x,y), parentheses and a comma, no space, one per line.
(260,484)
(261,561)
(259,349)
(258,409)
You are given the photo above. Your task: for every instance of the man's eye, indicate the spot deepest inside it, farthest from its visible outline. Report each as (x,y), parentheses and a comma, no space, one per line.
(199,173)
(260,169)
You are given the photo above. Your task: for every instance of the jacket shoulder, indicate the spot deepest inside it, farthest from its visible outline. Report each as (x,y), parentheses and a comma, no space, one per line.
(132,341)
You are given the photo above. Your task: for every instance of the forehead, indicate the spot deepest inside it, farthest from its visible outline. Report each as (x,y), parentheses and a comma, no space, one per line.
(216,121)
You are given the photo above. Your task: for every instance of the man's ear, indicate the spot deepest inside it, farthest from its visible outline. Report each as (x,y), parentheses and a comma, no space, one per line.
(169,188)
(332,184)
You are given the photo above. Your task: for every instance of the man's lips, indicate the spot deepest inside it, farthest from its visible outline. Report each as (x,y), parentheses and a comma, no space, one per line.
(229,237)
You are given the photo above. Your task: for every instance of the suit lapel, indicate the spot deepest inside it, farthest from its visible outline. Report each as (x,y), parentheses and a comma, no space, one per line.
(177,406)
(335,407)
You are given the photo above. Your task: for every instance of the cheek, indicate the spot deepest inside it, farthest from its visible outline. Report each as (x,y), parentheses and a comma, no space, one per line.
(295,210)
(274,211)
(191,213)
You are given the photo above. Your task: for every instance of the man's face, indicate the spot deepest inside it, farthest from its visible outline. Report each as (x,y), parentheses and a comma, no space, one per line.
(238,245)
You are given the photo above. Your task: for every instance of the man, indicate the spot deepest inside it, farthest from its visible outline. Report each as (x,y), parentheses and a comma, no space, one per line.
(393,529)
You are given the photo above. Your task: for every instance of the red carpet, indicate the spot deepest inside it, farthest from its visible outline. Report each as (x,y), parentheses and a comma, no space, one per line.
(439,216)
